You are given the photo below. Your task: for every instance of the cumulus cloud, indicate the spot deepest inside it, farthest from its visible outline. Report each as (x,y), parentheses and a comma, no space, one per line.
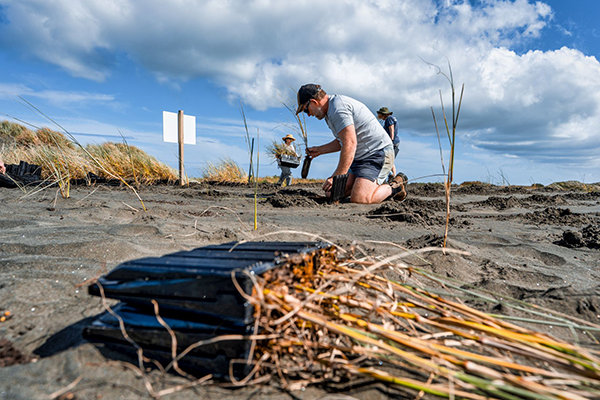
(538,104)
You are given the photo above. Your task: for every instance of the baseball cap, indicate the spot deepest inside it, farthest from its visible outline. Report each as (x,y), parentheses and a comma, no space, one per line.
(305,93)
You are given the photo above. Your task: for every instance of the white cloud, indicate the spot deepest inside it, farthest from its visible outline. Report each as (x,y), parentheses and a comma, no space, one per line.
(544,105)
(55,97)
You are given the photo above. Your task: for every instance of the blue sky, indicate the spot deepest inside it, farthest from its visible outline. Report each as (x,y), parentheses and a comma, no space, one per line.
(102,68)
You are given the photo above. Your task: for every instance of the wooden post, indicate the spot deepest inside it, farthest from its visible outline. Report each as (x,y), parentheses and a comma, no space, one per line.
(180,140)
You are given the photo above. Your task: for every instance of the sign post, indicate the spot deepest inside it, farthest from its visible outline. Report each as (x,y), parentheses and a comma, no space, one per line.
(180,141)
(179,128)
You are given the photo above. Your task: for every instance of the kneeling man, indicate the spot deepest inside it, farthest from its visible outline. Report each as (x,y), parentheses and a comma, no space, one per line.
(366,150)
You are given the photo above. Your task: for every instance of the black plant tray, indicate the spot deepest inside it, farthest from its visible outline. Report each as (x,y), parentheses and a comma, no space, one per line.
(143,327)
(290,161)
(199,280)
(20,174)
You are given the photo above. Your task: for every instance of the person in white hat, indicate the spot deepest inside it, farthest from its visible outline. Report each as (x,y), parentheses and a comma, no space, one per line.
(286,172)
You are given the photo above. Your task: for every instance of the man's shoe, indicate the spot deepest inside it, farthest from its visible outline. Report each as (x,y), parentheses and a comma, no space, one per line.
(399,187)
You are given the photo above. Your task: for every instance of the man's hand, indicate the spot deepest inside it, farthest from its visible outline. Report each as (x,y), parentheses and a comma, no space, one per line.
(327,148)
(2,168)
(328,184)
(313,151)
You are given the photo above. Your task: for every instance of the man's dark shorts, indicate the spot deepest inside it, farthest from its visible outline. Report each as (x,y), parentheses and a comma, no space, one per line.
(375,167)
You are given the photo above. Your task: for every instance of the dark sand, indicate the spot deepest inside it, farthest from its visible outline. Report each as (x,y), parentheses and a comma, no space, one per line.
(538,245)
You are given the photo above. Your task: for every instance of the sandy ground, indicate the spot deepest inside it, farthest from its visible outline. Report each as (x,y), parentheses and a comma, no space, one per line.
(538,245)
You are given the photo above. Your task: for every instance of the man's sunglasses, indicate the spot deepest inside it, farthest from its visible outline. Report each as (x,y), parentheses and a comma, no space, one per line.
(306,107)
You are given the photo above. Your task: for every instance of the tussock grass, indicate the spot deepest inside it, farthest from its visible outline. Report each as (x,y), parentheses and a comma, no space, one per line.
(132,163)
(62,160)
(225,170)
(276,150)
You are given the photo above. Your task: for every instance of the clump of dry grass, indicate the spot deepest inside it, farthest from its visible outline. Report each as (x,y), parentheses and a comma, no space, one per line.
(332,321)
(131,163)
(62,160)
(275,150)
(225,170)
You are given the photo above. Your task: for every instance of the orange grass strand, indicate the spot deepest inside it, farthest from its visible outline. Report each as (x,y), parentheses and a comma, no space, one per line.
(546,345)
(434,349)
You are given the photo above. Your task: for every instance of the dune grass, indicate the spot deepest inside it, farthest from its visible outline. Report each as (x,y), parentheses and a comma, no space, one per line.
(224,170)
(62,160)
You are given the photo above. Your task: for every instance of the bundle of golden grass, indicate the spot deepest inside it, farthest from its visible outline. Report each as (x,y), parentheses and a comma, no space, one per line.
(225,170)
(63,160)
(276,149)
(131,163)
(335,321)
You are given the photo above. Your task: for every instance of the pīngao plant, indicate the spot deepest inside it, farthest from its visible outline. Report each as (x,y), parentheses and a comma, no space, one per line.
(451,133)
(251,173)
(298,126)
(250,146)
(256,180)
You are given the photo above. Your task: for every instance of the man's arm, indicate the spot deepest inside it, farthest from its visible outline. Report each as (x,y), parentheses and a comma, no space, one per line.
(330,147)
(348,144)
(392,133)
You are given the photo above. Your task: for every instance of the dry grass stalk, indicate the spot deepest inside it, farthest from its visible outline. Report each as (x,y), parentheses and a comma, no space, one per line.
(451,133)
(349,320)
(299,124)
(276,149)
(63,159)
(322,320)
(226,170)
(131,163)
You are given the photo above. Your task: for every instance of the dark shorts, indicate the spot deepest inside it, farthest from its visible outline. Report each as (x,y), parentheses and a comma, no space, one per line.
(375,167)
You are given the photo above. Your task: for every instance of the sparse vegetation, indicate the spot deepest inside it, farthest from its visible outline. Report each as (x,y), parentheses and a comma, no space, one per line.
(276,149)
(451,133)
(132,163)
(62,160)
(225,170)
(475,183)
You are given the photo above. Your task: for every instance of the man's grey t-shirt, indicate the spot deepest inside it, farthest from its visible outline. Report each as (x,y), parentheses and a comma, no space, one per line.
(345,111)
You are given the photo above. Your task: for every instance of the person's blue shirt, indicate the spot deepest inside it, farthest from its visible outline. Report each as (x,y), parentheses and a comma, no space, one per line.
(392,121)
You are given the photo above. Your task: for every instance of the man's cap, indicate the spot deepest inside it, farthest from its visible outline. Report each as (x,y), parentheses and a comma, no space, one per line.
(305,93)
(289,136)
(384,111)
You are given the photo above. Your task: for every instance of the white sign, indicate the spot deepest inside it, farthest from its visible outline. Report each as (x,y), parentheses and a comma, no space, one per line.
(171,132)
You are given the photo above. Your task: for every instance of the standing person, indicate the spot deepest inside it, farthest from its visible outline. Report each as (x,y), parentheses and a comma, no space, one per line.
(289,148)
(2,167)
(366,151)
(390,124)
